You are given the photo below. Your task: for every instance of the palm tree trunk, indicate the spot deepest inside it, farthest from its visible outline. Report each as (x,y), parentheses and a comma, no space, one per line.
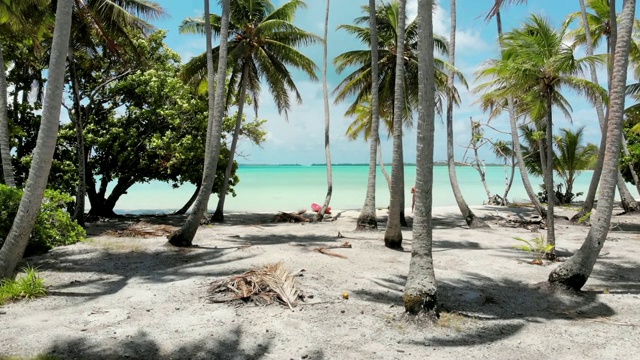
(383,168)
(420,292)
(218,215)
(16,241)
(634,175)
(515,139)
(551,197)
(510,181)
(5,139)
(367,219)
(575,272)
(468,215)
(327,147)
(629,204)
(393,234)
(587,206)
(187,205)
(184,236)
(78,213)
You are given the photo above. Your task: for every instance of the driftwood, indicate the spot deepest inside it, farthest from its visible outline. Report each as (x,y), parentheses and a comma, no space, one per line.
(284,217)
(142,229)
(534,222)
(272,283)
(325,249)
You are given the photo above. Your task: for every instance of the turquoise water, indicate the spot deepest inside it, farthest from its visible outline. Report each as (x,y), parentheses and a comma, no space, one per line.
(289,188)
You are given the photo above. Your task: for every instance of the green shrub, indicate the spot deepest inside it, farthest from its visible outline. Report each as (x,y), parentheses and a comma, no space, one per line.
(27,286)
(54,226)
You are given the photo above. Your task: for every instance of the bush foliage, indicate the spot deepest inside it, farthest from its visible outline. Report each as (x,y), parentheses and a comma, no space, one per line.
(54,226)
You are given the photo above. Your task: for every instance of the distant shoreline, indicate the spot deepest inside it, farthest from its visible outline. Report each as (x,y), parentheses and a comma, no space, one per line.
(437,163)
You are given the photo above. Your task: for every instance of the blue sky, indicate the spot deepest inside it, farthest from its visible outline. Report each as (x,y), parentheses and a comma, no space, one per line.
(301,138)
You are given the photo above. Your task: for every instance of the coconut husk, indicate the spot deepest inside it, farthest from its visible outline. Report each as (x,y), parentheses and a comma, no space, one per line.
(272,283)
(142,229)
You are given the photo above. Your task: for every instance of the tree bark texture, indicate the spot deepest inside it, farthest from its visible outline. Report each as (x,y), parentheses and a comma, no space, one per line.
(5,139)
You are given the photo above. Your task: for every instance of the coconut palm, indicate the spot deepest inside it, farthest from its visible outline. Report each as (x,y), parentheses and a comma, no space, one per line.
(468,215)
(325,91)
(575,272)
(572,157)
(16,241)
(367,219)
(534,68)
(263,45)
(420,292)
(183,237)
(601,25)
(510,107)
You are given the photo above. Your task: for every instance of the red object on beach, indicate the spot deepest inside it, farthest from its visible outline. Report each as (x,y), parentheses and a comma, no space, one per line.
(315,207)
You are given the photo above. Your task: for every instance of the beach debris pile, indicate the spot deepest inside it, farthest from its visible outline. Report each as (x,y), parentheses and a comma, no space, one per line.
(293,217)
(142,229)
(272,283)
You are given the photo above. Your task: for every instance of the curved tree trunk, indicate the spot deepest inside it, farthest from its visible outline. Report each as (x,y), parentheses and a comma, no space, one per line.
(184,236)
(587,206)
(16,241)
(5,139)
(393,234)
(218,215)
(383,168)
(575,272)
(327,147)
(507,188)
(367,219)
(629,204)
(634,175)
(187,205)
(78,213)
(420,292)
(103,207)
(468,215)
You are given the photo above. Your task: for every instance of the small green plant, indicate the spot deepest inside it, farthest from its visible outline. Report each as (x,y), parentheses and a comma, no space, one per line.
(27,286)
(584,219)
(536,246)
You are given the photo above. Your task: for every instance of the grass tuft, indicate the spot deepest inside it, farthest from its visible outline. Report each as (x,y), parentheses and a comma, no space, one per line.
(26,286)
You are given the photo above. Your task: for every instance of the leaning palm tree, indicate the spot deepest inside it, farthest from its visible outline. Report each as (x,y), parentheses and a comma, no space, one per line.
(367,219)
(596,27)
(575,272)
(495,12)
(325,93)
(469,217)
(18,237)
(183,237)
(263,45)
(420,292)
(536,65)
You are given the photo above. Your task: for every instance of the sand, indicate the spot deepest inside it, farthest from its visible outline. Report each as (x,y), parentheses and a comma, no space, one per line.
(113,298)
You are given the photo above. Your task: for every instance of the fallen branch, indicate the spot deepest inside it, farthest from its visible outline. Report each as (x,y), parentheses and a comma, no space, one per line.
(283,217)
(324,249)
(142,229)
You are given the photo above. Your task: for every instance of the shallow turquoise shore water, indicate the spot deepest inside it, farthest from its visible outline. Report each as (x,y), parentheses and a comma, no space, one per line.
(289,188)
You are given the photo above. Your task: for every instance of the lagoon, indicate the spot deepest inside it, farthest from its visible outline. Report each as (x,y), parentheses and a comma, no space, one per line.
(271,188)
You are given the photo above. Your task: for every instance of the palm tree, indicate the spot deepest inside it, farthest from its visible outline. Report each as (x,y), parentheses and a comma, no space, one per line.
(420,292)
(16,241)
(183,237)
(325,91)
(106,24)
(575,272)
(597,27)
(262,45)
(535,66)
(495,12)
(572,158)
(393,233)
(468,215)
(367,219)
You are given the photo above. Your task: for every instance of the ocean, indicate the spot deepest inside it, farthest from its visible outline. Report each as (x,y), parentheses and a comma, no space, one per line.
(289,188)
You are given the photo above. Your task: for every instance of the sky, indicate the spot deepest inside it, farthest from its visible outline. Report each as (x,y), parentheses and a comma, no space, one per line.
(299,139)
